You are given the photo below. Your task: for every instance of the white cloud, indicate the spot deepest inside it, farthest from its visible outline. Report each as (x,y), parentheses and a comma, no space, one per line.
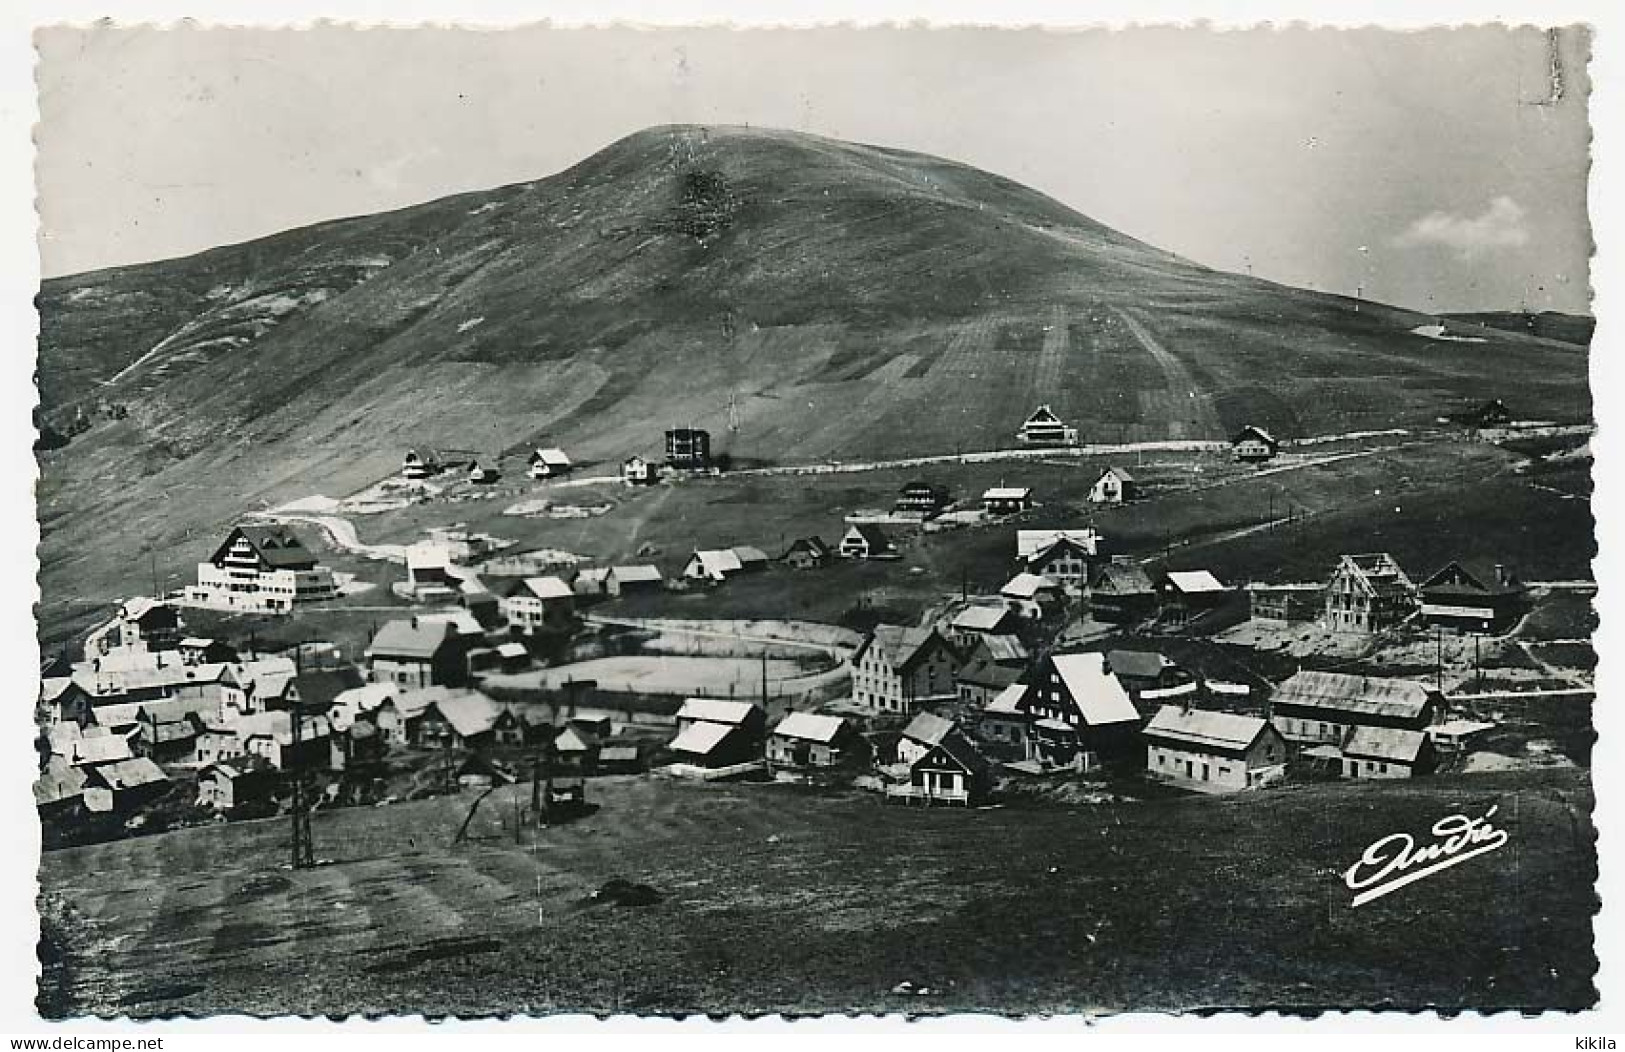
(1500,225)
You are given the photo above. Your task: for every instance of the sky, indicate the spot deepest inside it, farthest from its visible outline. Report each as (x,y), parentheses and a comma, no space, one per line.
(1442,169)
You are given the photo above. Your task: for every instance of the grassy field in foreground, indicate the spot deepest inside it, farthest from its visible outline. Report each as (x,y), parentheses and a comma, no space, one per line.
(775,899)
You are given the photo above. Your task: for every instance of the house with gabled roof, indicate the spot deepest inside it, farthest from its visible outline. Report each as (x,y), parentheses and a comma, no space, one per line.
(1213,752)
(746,715)
(967,627)
(462,720)
(944,766)
(1061,555)
(420,463)
(1030,595)
(1368,594)
(750,559)
(897,669)
(1115,485)
(400,718)
(123,785)
(805,740)
(865,540)
(415,653)
(1082,713)
(982,679)
(59,789)
(712,564)
(807,553)
(230,784)
(1004,724)
(1185,594)
(1121,591)
(261,567)
(1316,707)
(1007,500)
(1472,596)
(713,745)
(921,499)
(635,471)
(548,463)
(540,604)
(1387,752)
(1253,444)
(1044,428)
(637,579)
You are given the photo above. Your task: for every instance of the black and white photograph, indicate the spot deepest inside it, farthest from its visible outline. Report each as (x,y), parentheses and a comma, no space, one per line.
(808,521)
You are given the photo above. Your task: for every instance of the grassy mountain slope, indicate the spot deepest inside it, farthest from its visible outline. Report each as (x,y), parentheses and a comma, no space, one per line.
(850,301)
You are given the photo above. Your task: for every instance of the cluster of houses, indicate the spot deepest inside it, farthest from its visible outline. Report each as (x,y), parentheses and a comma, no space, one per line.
(1371,593)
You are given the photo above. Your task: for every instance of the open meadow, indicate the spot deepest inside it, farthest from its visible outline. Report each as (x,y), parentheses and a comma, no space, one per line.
(773,899)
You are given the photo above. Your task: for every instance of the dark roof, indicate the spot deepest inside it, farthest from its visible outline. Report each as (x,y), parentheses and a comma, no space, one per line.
(277,545)
(318,688)
(813,544)
(985,673)
(898,644)
(872,535)
(1378,572)
(1123,579)
(1472,577)
(1139,664)
(1121,473)
(956,747)
(1254,431)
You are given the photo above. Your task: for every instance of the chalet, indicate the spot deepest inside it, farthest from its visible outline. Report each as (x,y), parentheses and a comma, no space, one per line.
(1114,486)
(1007,500)
(216,744)
(745,715)
(123,785)
(1321,707)
(1253,444)
(1005,726)
(923,733)
(981,680)
(1185,594)
(63,700)
(1081,712)
(262,569)
(515,726)
(949,770)
(237,783)
(972,623)
(688,448)
(713,564)
(549,463)
(420,464)
(1368,593)
(1286,602)
(866,541)
(923,499)
(635,471)
(1061,555)
(1213,752)
(579,743)
(142,624)
(202,650)
(804,740)
(1473,597)
(1121,591)
(807,553)
(641,579)
(540,604)
(898,669)
(1044,428)
(459,721)
(512,657)
(750,559)
(483,475)
(418,653)
(1387,752)
(362,743)
(1030,595)
(400,718)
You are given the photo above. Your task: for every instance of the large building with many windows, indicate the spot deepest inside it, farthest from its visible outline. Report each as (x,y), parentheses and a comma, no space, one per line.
(261,568)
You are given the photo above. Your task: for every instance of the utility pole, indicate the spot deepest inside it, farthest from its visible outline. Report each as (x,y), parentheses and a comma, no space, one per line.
(1438,660)
(303,848)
